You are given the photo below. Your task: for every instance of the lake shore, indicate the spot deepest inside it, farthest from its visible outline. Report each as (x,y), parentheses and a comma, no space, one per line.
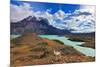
(89,40)
(30,49)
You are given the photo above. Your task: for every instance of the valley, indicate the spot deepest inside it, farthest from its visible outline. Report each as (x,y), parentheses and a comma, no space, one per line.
(31,49)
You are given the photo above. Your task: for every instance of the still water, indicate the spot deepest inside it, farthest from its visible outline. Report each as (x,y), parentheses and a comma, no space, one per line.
(85,50)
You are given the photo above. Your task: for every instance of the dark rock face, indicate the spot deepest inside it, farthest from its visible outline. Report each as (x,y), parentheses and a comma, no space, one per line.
(31,24)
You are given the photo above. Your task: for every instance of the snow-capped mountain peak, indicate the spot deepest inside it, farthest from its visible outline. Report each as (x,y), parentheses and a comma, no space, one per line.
(79,21)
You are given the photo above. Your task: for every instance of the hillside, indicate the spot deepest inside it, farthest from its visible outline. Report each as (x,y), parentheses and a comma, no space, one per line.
(29,49)
(88,38)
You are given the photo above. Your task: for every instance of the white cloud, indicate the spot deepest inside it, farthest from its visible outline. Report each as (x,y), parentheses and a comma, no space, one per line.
(84,30)
(20,12)
(44,14)
(80,22)
(49,10)
(90,9)
(60,14)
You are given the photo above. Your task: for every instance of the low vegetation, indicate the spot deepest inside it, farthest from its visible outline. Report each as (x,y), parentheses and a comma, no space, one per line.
(43,44)
(58,41)
(35,51)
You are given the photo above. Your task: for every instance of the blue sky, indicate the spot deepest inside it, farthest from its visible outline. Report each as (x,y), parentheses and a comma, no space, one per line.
(74,17)
(54,7)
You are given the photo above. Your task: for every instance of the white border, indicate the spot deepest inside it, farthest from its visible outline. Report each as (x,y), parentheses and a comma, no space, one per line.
(5,36)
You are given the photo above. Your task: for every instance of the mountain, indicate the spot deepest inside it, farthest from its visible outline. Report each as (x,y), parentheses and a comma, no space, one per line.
(57,23)
(31,24)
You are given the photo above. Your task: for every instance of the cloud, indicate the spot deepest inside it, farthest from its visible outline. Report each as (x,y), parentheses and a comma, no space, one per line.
(44,14)
(60,14)
(90,9)
(20,12)
(83,30)
(80,21)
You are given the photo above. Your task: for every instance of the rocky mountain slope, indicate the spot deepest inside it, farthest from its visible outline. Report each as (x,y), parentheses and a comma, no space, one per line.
(31,24)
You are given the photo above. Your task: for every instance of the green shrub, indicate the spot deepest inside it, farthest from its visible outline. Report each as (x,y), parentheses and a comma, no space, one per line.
(58,41)
(43,43)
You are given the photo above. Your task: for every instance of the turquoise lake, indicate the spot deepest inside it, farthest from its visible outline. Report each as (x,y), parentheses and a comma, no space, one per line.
(85,50)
